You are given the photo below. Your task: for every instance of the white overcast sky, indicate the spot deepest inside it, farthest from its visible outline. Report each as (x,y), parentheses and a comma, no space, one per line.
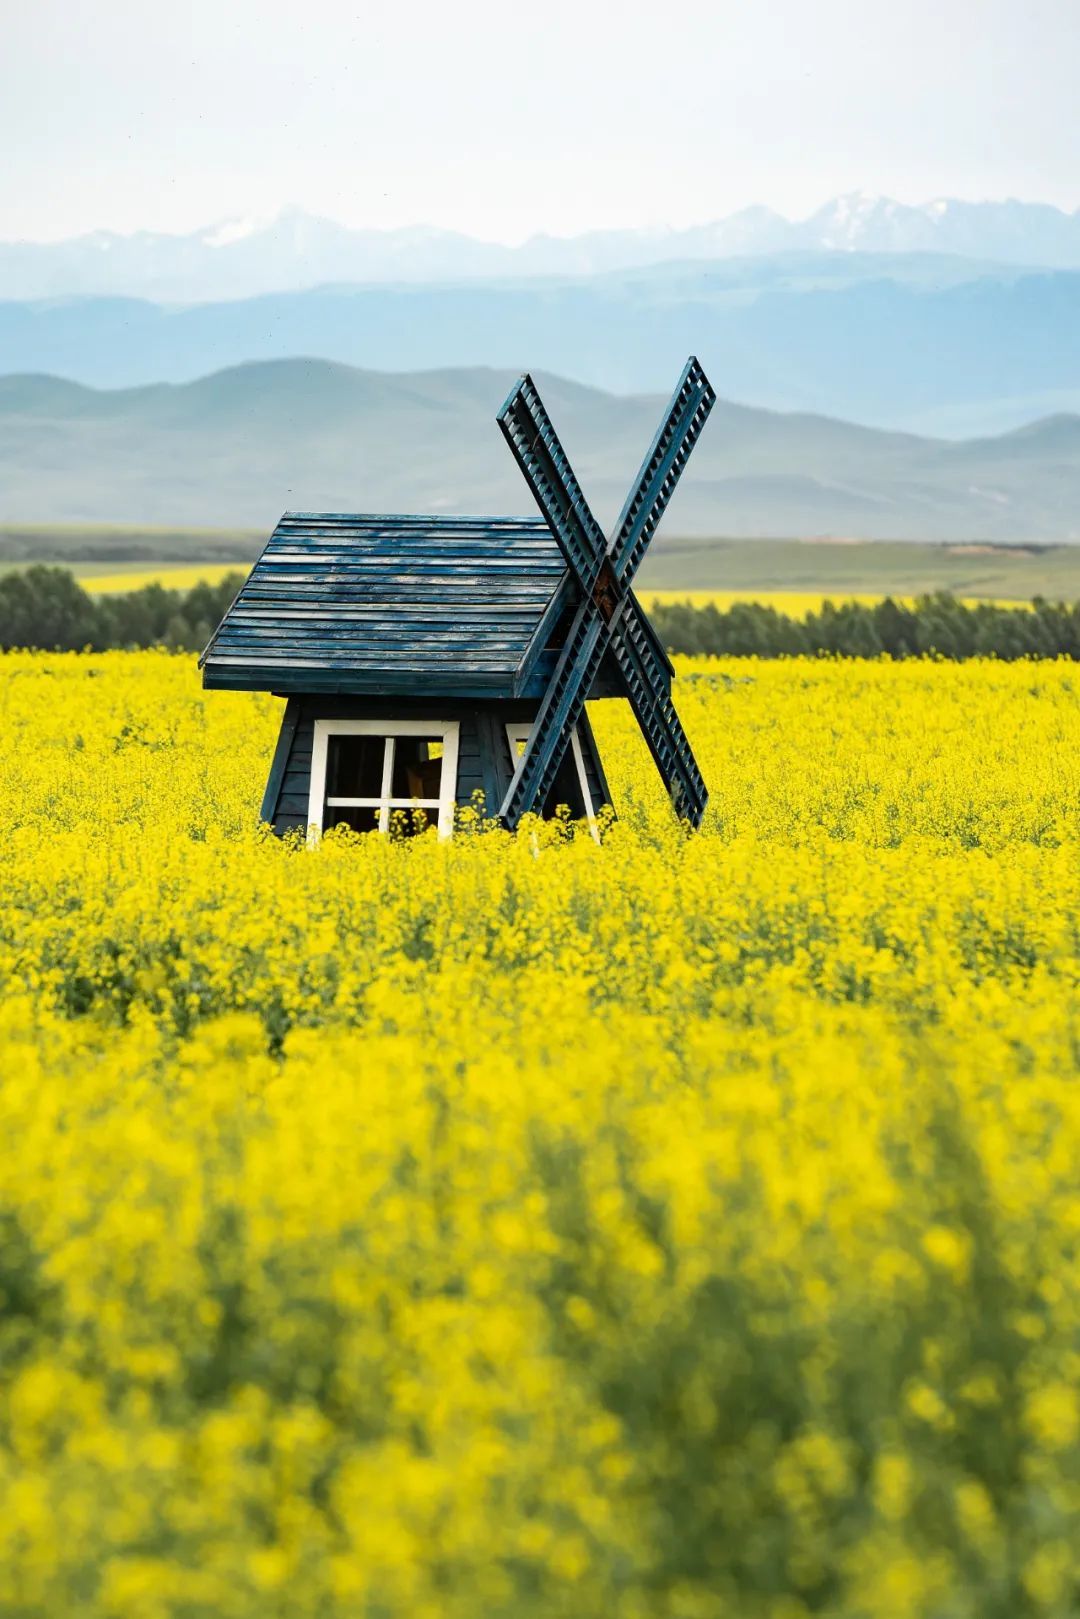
(505,119)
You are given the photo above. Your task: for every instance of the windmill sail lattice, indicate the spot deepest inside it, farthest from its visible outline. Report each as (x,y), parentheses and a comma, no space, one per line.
(608,617)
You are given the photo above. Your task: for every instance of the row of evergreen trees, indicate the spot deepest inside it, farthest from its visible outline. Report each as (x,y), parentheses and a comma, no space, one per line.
(46,607)
(936,625)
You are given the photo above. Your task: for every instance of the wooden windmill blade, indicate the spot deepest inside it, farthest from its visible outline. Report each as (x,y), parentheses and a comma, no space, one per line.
(529,431)
(661,469)
(647,690)
(607,617)
(531,435)
(576,669)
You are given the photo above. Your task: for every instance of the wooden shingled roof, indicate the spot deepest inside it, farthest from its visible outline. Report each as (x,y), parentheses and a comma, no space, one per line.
(340,603)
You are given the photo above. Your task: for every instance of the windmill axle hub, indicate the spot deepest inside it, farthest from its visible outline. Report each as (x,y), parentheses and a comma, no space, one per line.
(606,592)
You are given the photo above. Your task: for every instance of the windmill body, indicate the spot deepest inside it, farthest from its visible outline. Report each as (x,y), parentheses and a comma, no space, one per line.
(428,660)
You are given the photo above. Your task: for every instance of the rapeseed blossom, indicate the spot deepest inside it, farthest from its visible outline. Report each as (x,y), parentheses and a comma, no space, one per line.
(678,1226)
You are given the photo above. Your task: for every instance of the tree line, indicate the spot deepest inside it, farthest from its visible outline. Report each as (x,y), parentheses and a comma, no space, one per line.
(936,625)
(46,607)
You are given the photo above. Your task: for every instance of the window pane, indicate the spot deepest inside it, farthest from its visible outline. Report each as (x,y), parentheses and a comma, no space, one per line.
(417,767)
(361,820)
(354,766)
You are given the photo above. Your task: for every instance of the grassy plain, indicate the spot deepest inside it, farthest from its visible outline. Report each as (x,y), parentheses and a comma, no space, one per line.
(840,569)
(118,547)
(681,1226)
(118,558)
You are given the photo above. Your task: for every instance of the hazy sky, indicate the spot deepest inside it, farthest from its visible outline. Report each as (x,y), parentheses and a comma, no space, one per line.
(505,119)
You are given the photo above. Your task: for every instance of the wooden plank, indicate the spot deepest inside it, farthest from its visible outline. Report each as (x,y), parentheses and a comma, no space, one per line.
(489,737)
(522,616)
(517,625)
(358,552)
(361,638)
(346,545)
(404,570)
(359,561)
(402,594)
(479,599)
(427,655)
(368,569)
(265,656)
(294,671)
(388,583)
(559,601)
(424,521)
(346,642)
(299,761)
(399,627)
(424,566)
(378,684)
(491,541)
(433,539)
(385,584)
(430,646)
(289,723)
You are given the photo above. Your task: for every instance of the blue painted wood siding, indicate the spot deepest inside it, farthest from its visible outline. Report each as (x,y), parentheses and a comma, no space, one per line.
(483,751)
(341,603)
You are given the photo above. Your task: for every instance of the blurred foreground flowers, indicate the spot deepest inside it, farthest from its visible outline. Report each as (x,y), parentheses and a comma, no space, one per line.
(678,1227)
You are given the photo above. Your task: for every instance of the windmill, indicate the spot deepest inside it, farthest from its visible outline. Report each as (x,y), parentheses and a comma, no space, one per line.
(428,659)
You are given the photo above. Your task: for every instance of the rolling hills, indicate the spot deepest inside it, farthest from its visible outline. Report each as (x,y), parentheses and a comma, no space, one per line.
(919,342)
(238,447)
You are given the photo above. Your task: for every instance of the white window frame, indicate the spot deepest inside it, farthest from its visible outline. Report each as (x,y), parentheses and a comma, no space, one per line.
(447,731)
(521,730)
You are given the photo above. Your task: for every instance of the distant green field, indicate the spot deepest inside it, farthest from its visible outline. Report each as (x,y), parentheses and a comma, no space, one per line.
(113,548)
(118,558)
(863,568)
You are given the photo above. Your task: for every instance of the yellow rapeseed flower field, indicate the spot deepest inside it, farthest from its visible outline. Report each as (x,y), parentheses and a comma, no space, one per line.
(792,603)
(173,576)
(681,1227)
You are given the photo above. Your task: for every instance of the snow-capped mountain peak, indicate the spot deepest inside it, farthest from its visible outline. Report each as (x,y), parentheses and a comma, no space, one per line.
(247,254)
(227,231)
